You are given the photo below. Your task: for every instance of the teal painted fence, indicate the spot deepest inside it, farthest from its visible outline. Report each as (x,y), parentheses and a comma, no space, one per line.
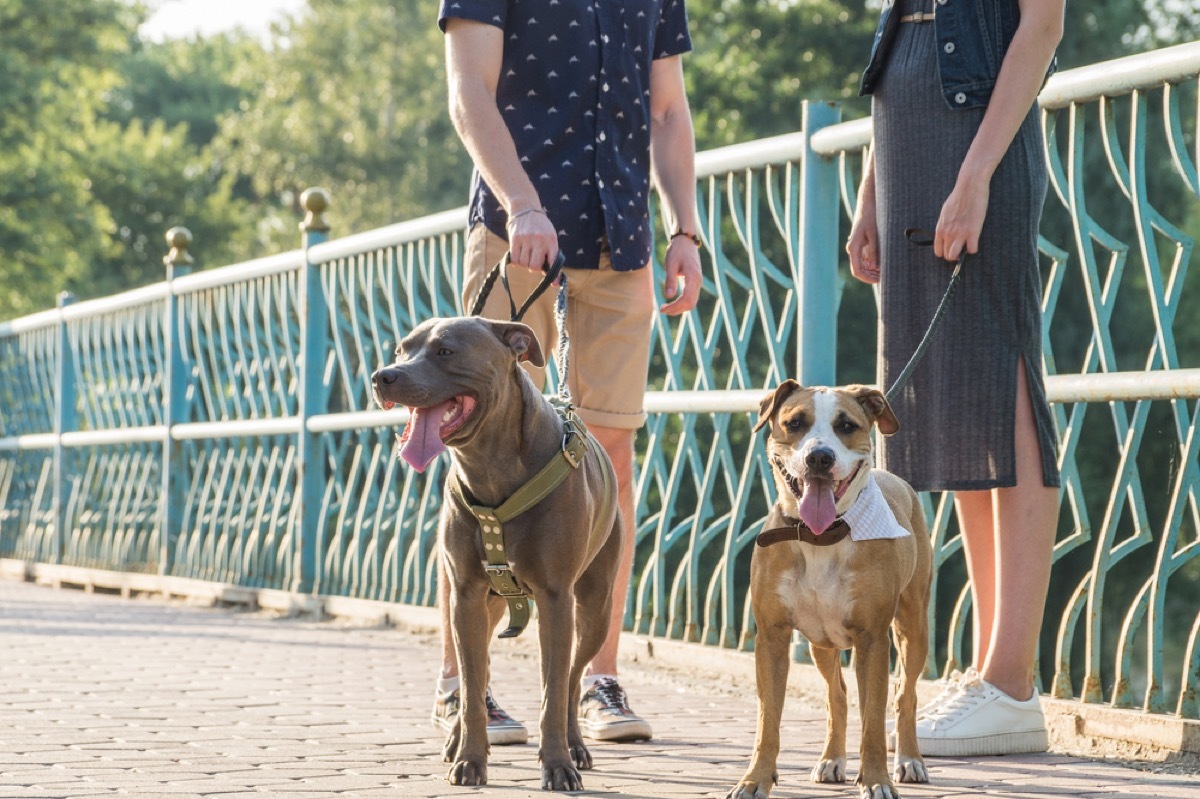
(219,426)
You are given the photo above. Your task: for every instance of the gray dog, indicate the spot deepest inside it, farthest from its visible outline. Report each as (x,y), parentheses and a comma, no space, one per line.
(462,381)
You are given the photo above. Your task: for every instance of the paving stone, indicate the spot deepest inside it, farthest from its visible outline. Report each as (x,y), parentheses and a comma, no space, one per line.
(154,700)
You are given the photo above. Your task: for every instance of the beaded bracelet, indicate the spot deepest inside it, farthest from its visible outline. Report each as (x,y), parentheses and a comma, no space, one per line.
(693,236)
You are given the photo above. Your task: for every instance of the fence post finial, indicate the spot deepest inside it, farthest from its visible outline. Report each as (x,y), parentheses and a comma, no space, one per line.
(179,239)
(315,200)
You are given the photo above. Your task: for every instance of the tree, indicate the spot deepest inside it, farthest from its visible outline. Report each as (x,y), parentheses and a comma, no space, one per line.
(56,61)
(755,61)
(351,97)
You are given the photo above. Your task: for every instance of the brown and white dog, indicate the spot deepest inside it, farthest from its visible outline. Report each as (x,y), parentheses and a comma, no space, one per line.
(842,588)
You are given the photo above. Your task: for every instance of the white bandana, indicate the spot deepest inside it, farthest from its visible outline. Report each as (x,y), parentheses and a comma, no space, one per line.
(870,517)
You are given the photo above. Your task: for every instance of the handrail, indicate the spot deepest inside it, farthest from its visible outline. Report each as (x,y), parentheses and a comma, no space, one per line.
(1122,76)
(1101,387)
(1106,79)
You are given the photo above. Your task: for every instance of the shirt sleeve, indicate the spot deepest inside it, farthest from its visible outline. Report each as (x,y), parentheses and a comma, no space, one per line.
(491,12)
(672,37)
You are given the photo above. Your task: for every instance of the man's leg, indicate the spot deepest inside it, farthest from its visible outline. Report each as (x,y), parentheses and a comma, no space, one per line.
(618,444)
(609,322)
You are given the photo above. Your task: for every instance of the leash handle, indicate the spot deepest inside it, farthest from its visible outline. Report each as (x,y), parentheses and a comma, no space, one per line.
(923,238)
(551,272)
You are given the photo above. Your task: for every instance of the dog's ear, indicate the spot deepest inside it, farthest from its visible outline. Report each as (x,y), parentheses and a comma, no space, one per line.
(521,339)
(771,402)
(876,405)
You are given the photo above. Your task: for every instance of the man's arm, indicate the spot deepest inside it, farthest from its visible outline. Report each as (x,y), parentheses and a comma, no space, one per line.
(673,162)
(474,53)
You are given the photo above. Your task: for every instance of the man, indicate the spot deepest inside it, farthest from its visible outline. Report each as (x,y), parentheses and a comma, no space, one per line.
(566,109)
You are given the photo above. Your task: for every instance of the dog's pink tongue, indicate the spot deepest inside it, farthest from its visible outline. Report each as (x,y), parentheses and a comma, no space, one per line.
(818,508)
(422,440)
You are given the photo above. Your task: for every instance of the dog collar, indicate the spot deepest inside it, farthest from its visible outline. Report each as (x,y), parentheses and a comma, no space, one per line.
(797,530)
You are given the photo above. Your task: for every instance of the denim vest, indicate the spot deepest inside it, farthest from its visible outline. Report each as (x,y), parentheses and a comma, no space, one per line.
(972,38)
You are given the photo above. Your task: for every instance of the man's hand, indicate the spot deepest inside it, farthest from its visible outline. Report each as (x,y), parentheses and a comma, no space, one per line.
(532,239)
(682,261)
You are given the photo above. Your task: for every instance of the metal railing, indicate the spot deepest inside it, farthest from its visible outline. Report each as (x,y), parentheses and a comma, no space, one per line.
(218,425)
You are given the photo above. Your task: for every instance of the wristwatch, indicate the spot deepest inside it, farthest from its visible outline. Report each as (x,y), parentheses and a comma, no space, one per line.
(695,237)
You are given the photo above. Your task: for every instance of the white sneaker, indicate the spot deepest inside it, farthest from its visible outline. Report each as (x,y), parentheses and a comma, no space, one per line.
(953,684)
(983,720)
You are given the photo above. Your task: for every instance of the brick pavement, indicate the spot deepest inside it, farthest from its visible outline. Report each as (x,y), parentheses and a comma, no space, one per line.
(138,697)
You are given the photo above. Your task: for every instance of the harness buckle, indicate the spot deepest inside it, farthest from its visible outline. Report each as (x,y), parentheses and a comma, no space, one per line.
(568,453)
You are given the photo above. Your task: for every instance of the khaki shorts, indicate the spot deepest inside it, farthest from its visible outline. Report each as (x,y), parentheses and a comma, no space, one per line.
(610,315)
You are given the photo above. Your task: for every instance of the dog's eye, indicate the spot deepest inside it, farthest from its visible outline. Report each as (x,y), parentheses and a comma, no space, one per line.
(846,427)
(444,351)
(794,424)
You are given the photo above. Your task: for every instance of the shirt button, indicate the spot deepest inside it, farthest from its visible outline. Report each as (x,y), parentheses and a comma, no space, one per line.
(941,2)
(960,98)
(949,48)
(601,137)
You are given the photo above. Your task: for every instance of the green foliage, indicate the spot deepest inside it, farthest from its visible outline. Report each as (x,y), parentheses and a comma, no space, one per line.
(184,81)
(353,98)
(57,62)
(755,61)
(86,195)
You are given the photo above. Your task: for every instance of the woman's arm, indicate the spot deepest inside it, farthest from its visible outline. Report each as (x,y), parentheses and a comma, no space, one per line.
(863,245)
(1021,76)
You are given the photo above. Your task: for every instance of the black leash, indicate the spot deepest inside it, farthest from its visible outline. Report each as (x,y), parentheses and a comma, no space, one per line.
(923,238)
(551,272)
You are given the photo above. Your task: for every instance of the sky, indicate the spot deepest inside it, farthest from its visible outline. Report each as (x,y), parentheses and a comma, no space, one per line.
(176,19)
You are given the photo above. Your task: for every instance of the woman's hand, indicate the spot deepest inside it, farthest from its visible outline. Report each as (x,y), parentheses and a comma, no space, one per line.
(961,219)
(863,244)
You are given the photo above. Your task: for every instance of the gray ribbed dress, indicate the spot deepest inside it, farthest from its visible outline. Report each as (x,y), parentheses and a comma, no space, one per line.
(957,412)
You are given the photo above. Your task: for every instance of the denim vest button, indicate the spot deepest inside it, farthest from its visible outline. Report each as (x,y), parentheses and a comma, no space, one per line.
(960,98)
(949,48)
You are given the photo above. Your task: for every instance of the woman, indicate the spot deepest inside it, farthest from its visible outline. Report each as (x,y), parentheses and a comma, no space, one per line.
(958,149)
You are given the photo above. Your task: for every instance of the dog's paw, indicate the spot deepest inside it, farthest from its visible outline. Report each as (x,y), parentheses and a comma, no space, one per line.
(580,756)
(877,790)
(468,772)
(452,744)
(748,789)
(910,769)
(561,778)
(833,770)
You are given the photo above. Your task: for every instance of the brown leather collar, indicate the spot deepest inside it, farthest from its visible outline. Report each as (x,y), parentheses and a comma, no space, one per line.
(799,531)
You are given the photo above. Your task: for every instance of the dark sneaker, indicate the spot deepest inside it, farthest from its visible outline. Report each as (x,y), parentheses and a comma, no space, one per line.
(604,714)
(502,728)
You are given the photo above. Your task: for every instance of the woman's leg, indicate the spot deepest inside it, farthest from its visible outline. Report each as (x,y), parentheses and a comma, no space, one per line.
(1026,524)
(976,521)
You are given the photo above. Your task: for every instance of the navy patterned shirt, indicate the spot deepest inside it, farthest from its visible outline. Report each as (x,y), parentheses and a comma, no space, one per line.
(574,90)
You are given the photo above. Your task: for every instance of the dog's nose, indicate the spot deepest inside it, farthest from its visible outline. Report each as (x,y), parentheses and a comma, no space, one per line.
(385,376)
(819,460)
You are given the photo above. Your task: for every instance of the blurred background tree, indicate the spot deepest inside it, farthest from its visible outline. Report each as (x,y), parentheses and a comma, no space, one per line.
(108,139)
